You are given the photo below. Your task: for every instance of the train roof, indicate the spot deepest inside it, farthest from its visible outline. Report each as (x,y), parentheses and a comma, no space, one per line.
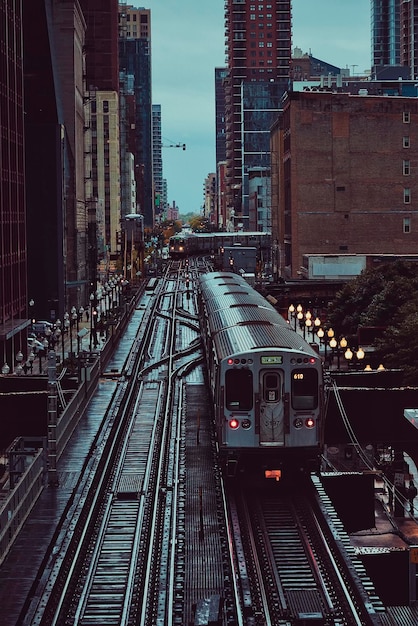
(237,234)
(241,320)
(184,234)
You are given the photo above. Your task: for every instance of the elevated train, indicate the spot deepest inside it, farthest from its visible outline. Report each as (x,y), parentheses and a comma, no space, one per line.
(187,243)
(182,245)
(266,381)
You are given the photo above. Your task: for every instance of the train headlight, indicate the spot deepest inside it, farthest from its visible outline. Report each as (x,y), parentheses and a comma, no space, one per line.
(298,422)
(234,423)
(246,424)
(309,422)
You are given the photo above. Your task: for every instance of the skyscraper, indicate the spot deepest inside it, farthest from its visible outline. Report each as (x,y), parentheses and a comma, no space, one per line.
(160,196)
(258,46)
(54,156)
(409,36)
(13,294)
(135,61)
(394,30)
(385,20)
(102,131)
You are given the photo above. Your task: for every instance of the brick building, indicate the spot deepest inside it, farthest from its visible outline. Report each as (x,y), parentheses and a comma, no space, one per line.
(345,181)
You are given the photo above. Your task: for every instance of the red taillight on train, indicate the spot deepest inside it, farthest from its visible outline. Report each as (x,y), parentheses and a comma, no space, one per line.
(233,424)
(299,423)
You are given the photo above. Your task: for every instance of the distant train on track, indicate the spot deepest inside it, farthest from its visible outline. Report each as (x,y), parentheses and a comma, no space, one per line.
(188,243)
(266,381)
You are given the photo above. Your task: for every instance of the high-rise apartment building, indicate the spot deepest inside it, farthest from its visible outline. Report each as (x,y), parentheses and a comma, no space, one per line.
(258,46)
(102,65)
(102,132)
(13,291)
(409,36)
(135,61)
(394,30)
(160,189)
(220,74)
(385,17)
(54,156)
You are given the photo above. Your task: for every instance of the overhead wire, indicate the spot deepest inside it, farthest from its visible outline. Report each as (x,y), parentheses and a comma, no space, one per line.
(398,496)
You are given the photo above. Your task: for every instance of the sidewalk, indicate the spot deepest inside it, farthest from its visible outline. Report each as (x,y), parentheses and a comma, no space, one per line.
(80,339)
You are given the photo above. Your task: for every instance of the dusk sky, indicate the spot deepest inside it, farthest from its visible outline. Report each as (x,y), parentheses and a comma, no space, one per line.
(188,43)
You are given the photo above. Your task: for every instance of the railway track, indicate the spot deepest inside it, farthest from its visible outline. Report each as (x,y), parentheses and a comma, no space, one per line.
(121,554)
(292,563)
(117,566)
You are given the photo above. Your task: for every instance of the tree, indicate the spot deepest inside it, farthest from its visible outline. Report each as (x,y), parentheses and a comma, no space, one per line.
(383,297)
(399,346)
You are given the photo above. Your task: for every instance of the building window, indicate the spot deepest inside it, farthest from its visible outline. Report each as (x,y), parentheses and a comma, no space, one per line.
(406,168)
(406,117)
(407,195)
(105,106)
(406,225)
(406,142)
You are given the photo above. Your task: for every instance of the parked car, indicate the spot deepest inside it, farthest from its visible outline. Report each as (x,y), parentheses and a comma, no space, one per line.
(35,345)
(39,327)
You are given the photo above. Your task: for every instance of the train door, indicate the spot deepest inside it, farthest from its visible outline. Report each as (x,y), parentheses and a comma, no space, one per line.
(271,408)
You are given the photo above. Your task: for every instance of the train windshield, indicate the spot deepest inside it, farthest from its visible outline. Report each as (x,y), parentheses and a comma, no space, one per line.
(238,390)
(304,389)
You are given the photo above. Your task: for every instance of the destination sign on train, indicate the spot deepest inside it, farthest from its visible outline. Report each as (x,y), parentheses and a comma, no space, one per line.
(271,360)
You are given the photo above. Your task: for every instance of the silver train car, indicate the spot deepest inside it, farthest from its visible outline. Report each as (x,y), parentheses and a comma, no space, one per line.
(266,381)
(182,245)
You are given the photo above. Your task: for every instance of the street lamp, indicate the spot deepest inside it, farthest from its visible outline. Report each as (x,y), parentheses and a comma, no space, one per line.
(348,354)
(299,315)
(132,219)
(29,362)
(339,346)
(19,359)
(359,354)
(317,324)
(291,313)
(307,325)
(320,334)
(31,305)
(93,320)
